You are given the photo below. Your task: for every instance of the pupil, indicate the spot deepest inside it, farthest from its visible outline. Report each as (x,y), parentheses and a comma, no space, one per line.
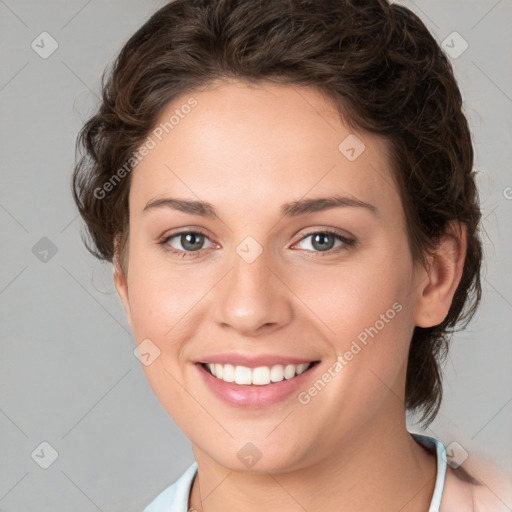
(191,246)
(321,237)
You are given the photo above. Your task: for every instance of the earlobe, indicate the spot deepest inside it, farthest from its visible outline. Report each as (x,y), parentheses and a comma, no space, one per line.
(443,275)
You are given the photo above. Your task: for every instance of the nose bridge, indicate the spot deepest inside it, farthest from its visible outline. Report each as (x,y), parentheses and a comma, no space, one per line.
(251,296)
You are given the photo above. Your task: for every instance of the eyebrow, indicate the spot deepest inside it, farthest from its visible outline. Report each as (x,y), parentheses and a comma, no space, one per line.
(292,209)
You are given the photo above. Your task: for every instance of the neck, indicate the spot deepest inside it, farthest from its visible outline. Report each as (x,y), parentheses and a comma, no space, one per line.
(377,469)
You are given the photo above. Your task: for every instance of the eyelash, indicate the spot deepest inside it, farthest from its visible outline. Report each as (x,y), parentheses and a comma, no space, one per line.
(346,243)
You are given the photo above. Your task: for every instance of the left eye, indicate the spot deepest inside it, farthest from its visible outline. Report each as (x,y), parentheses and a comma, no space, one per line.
(323,241)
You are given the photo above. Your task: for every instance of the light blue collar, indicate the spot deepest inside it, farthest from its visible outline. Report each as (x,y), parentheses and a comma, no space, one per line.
(429,443)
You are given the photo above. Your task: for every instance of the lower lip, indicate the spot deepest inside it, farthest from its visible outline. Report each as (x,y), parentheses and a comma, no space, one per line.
(254,396)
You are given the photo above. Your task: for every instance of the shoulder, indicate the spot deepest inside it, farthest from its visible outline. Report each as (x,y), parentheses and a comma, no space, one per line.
(480,487)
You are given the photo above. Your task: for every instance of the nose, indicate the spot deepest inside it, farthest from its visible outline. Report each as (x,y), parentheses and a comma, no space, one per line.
(253,299)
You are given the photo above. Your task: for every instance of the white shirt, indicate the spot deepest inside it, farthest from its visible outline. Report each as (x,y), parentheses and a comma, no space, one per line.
(175,497)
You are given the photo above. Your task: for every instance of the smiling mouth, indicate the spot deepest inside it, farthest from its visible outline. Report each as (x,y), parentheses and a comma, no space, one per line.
(260,376)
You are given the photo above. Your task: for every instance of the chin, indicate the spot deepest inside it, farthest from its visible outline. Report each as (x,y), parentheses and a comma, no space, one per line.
(251,458)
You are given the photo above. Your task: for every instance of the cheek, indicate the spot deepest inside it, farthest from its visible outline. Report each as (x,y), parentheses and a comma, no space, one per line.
(367,316)
(154,295)
(159,308)
(162,309)
(166,301)
(349,299)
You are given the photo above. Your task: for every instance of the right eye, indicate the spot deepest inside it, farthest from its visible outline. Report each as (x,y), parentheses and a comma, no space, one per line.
(191,243)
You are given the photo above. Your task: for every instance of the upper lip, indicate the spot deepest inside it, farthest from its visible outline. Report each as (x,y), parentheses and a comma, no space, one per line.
(252,361)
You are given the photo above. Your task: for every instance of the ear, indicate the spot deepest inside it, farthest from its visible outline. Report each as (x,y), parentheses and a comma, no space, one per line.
(441,277)
(120,282)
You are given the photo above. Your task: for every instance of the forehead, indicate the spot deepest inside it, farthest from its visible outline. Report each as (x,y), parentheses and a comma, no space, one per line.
(254,143)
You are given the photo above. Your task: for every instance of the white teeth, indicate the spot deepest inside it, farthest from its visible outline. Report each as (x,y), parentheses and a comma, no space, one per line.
(242,375)
(219,370)
(260,376)
(289,371)
(301,368)
(277,373)
(228,373)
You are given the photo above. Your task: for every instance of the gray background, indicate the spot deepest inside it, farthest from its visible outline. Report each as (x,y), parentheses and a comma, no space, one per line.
(68,373)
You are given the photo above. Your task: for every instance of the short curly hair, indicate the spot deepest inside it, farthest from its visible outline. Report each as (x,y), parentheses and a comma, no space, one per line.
(382,69)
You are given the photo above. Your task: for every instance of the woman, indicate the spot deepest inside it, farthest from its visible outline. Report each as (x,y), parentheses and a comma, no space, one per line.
(285,189)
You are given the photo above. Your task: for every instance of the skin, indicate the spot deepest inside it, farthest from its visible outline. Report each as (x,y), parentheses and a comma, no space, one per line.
(247,150)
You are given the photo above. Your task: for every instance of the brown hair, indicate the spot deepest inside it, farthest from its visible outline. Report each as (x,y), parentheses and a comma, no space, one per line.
(381,67)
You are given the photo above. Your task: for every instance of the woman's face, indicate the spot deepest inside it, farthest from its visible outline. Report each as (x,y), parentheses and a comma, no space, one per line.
(257,283)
